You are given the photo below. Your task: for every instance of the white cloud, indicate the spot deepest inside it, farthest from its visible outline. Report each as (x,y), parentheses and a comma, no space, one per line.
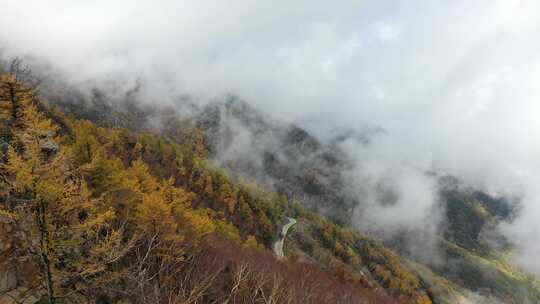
(455,83)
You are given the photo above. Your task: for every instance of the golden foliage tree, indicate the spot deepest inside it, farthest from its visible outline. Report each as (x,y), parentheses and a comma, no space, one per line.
(60,227)
(228,196)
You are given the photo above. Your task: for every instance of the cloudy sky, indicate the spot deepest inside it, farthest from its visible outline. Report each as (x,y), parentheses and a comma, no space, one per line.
(455,83)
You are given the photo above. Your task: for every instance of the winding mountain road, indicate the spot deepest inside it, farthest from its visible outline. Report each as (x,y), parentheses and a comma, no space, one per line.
(278,246)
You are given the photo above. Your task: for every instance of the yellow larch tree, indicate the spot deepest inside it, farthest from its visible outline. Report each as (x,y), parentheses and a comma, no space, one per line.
(59,226)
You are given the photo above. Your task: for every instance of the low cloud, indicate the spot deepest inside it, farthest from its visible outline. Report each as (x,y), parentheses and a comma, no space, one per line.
(454,84)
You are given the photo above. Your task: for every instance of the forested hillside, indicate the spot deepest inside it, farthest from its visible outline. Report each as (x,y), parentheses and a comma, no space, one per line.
(267,152)
(106,215)
(99,206)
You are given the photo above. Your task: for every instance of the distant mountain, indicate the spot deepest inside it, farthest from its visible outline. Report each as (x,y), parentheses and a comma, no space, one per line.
(291,161)
(252,171)
(280,155)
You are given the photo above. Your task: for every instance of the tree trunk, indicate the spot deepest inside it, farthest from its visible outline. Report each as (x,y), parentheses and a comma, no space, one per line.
(44,252)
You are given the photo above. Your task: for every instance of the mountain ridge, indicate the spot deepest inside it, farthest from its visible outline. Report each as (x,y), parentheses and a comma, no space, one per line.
(303,172)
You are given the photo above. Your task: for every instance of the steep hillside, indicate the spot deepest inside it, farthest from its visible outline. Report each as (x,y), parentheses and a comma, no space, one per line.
(279,155)
(104,214)
(189,208)
(286,158)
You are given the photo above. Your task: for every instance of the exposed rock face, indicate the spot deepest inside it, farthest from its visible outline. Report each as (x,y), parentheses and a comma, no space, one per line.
(4,145)
(8,281)
(8,277)
(48,146)
(18,273)
(20,296)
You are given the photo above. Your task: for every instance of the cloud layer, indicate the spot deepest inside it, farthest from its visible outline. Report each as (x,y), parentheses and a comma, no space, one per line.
(456,84)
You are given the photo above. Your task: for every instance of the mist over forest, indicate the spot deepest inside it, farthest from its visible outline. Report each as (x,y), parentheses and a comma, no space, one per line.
(414,123)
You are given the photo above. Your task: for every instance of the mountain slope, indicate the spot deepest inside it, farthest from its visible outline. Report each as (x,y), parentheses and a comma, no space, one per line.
(104,214)
(277,170)
(296,164)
